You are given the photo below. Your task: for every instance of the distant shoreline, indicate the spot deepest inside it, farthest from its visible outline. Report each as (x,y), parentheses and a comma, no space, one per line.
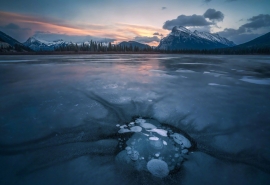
(73,52)
(102,53)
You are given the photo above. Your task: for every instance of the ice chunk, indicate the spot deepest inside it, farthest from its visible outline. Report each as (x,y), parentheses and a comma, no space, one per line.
(158,168)
(180,139)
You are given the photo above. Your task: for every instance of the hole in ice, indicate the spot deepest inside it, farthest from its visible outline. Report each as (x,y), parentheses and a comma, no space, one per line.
(152,147)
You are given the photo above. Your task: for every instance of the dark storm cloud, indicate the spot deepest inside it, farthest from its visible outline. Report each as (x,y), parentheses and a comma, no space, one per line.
(163,8)
(214,15)
(156,33)
(259,21)
(246,30)
(186,20)
(145,39)
(255,22)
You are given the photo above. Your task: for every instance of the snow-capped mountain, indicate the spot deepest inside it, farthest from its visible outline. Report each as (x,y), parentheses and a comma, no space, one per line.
(183,38)
(37,44)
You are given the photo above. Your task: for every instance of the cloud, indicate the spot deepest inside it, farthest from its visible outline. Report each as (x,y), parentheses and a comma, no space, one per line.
(156,33)
(145,39)
(53,29)
(163,8)
(207,1)
(214,15)
(12,26)
(185,20)
(230,0)
(259,23)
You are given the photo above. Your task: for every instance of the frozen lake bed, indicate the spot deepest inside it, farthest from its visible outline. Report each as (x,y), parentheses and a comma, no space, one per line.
(134,119)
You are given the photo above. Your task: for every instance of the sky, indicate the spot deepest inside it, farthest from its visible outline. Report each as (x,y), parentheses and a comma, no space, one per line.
(145,21)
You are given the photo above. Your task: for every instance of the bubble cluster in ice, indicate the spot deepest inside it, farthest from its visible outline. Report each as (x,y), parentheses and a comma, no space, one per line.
(147,145)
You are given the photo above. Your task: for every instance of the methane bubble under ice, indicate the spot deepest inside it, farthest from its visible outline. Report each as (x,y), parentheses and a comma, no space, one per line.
(145,145)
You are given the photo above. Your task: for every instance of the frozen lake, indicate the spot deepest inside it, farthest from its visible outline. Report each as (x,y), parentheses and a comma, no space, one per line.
(92,119)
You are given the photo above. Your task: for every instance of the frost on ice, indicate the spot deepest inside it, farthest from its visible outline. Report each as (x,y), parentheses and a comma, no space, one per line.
(148,146)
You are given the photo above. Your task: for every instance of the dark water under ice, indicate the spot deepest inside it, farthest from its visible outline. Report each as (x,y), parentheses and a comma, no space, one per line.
(58,116)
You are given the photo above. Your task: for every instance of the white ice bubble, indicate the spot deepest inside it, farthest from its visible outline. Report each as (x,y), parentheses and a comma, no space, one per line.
(158,168)
(147,125)
(165,143)
(123,130)
(123,126)
(180,139)
(140,121)
(128,148)
(136,129)
(159,131)
(214,84)
(153,138)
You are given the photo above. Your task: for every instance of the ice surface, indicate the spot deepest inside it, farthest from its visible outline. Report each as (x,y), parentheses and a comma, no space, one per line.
(45,138)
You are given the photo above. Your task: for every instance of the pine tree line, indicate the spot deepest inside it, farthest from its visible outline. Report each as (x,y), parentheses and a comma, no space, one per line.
(221,51)
(100,47)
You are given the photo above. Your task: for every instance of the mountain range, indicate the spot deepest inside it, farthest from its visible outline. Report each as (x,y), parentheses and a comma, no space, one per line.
(135,44)
(182,38)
